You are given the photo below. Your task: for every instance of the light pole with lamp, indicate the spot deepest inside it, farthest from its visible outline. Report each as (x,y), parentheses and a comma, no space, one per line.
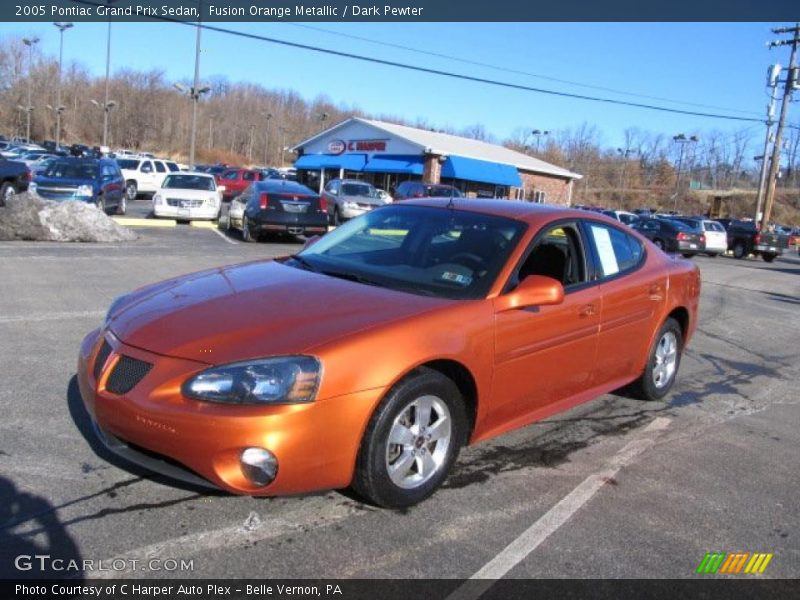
(268,117)
(284,131)
(29,42)
(196,90)
(538,133)
(107,104)
(106,108)
(624,153)
(682,140)
(58,108)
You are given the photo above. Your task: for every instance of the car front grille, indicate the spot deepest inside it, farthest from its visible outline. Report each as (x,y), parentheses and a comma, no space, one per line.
(126,374)
(102,357)
(56,193)
(184,203)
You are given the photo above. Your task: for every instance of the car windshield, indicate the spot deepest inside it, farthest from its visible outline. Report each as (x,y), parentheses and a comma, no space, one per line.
(436,191)
(428,251)
(628,219)
(357,189)
(71,170)
(128,163)
(190,182)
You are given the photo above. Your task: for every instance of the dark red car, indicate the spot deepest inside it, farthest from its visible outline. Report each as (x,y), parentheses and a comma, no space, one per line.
(237,180)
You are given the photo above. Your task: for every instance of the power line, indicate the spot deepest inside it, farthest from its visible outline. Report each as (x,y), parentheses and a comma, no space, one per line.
(460,76)
(515,71)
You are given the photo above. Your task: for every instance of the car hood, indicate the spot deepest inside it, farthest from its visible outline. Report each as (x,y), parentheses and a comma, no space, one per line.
(253,310)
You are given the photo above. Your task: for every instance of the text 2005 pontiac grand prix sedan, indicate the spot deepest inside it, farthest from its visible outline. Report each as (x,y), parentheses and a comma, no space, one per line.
(372,356)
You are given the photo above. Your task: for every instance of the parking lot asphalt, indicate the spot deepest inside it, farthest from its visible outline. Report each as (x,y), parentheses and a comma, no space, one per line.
(614,488)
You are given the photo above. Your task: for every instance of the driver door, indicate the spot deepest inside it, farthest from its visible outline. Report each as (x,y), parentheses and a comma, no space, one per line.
(545,356)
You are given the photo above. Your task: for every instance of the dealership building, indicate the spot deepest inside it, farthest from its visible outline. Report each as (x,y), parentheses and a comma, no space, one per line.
(386,154)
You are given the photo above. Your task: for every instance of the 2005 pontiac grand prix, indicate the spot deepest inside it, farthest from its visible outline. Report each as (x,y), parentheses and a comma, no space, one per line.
(371,357)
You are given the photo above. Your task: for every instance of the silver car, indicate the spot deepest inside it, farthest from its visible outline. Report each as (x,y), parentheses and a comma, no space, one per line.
(349,198)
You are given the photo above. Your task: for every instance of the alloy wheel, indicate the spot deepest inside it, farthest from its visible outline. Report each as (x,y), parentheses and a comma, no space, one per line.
(666,359)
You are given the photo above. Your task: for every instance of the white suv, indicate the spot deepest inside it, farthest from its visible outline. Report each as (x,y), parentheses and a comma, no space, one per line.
(144,175)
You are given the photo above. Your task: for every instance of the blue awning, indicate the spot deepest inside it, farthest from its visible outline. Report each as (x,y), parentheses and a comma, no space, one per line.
(315,162)
(395,163)
(472,169)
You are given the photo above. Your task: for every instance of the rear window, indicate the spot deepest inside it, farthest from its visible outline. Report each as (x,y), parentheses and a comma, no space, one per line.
(189,182)
(356,189)
(128,163)
(714,226)
(433,191)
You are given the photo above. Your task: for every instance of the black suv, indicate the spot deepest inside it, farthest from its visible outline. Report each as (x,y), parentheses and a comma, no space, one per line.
(418,189)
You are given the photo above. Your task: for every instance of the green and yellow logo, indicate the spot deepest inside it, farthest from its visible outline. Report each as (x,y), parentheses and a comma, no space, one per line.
(734,563)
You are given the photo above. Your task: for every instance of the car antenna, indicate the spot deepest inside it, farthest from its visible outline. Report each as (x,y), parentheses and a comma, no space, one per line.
(450,204)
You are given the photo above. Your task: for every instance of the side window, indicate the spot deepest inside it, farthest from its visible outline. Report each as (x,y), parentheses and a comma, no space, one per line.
(147,167)
(160,167)
(248,175)
(329,187)
(616,251)
(559,254)
(173,167)
(230,175)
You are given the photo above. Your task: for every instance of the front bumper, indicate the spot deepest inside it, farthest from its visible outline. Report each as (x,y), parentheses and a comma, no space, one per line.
(154,426)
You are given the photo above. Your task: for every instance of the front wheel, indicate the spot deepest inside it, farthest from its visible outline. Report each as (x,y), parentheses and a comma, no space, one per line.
(337,217)
(662,363)
(412,441)
(122,207)
(131,190)
(738,250)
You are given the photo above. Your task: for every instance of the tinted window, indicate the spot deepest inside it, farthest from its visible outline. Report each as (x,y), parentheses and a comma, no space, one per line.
(616,250)
(357,189)
(147,167)
(559,254)
(248,175)
(160,167)
(128,163)
(173,167)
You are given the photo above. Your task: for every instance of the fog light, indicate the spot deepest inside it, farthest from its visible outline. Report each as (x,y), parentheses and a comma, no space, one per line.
(259,465)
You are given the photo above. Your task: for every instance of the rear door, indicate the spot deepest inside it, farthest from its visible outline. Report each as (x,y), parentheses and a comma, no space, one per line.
(146,180)
(631,295)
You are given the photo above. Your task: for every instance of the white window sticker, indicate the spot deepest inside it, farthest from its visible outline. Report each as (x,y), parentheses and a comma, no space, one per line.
(602,240)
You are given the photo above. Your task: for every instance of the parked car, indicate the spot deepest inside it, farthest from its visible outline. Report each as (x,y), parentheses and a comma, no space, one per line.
(96,181)
(623,216)
(418,189)
(237,180)
(373,355)
(672,236)
(277,206)
(349,198)
(14,179)
(384,195)
(716,238)
(143,175)
(744,238)
(188,196)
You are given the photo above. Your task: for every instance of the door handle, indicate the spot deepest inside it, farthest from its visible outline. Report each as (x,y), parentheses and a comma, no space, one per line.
(586,311)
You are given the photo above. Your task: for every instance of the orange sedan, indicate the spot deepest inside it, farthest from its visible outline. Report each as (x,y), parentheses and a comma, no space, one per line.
(371,357)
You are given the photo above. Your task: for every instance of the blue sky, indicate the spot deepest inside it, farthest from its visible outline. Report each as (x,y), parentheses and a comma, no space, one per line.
(719,64)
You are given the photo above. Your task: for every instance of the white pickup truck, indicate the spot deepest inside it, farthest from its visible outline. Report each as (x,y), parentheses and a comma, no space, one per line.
(144,175)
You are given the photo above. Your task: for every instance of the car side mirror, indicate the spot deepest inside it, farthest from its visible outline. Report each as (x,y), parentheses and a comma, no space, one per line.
(311,241)
(534,290)
(221,188)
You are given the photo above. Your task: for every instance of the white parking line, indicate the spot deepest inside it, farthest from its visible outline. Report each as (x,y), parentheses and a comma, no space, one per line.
(54,316)
(537,533)
(224,237)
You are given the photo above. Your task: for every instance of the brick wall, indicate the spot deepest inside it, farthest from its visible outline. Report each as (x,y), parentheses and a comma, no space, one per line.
(556,189)
(433,169)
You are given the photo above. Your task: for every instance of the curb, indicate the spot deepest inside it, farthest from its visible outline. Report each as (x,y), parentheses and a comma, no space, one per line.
(133,222)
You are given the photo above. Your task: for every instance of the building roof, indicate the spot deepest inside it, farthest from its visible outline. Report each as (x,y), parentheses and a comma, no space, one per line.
(444,144)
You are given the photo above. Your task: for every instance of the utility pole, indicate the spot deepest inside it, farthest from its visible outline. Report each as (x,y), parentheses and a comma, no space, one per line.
(791,81)
(772,82)
(268,117)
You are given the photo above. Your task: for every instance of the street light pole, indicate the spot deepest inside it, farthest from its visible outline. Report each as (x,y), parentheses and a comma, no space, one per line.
(682,140)
(283,146)
(29,42)
(62,27)
(624,155)
(268,117)
(195,87)
(538,133)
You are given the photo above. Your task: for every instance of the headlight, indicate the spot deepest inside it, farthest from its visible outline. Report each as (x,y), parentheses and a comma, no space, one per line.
(157,199)
(115,304)
(85,191)
(212,201)
(349,204)
(280,380)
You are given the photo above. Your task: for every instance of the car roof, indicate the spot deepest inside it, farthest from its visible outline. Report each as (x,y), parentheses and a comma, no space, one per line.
(523,211)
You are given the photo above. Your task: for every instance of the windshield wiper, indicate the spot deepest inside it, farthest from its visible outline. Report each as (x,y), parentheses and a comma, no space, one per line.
(352,277)
(303,263)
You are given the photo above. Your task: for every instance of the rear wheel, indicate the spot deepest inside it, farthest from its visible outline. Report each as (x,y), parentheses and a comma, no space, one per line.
(738,250)
(7,191)
(246,235)
(101,204)
(662,363)
(412,440)
(712,254)
(687,254)
(131,190)
(337,217)
(768,256)
(122,207)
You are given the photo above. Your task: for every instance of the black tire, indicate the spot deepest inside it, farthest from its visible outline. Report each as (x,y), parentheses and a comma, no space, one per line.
(372,479)
(768,256)
(688,254)
(101,205)
(646,387)
(7,191)
(712,254)
(131,190)
(228,224)
(246,235)
(122,207)
(659,244)
(337,217)
(739,250)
